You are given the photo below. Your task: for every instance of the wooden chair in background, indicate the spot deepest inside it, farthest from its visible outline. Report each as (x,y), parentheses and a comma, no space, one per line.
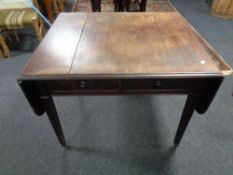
(222,8)
(22,18)
(14,16)
(54,8)
(4,50)
(1,54)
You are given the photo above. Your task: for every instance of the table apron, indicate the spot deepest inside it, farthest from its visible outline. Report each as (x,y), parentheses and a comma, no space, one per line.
(120,87)
(203,89)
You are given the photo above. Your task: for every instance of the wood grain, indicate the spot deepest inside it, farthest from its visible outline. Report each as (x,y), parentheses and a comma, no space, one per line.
(140,43)
(55,53)
(222,8)
(121,44)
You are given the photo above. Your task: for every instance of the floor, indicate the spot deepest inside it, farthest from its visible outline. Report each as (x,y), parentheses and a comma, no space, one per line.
(119,135)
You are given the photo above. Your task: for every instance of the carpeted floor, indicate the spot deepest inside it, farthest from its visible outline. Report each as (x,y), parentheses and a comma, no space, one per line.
(119,135)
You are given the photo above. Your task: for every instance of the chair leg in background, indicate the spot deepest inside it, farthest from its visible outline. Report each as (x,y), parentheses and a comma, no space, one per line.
(6,50)
(16,35)
(38,30)
(61,5)
(55,7)
(1,54)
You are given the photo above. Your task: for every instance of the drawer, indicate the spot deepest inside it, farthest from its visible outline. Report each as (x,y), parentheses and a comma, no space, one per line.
(82,85)
(119,85)
(158,84)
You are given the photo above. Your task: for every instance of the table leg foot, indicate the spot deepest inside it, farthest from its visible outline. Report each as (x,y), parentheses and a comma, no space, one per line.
(54,119)
(185,118)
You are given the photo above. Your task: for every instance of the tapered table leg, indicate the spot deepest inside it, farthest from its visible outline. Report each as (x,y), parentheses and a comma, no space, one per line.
(185,118)
(54,119)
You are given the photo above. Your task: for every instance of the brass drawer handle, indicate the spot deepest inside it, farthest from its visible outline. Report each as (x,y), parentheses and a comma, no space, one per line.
(158,83)
(83,84)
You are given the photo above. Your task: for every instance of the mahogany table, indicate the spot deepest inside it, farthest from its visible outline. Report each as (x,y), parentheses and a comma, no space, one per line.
(119,54)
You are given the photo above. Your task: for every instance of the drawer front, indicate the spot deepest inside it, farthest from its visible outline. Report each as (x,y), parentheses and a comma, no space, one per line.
(158,84)
(82,85)
(120,85)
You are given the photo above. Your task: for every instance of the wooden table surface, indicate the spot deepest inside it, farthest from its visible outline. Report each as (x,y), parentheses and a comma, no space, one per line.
(99,44)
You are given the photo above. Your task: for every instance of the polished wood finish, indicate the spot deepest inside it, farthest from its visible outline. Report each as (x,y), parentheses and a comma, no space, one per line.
(162,38)
(222,8)
(57,50)
(122,54)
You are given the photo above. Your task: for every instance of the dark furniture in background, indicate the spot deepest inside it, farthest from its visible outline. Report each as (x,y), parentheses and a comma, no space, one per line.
(96,5)
(117,58)
(209,2)
(222,9)
(140,3)
(120,5)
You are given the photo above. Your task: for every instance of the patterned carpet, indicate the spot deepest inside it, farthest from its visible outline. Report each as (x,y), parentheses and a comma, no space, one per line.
(108,6)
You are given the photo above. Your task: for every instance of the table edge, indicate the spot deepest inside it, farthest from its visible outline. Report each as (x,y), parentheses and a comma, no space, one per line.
(121,76)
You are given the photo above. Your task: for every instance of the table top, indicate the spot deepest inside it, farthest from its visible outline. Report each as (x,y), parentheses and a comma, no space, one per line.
(13,5)
(122,44)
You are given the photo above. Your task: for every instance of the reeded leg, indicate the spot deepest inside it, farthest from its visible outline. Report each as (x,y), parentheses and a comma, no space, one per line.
(185,118)
(54,119)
